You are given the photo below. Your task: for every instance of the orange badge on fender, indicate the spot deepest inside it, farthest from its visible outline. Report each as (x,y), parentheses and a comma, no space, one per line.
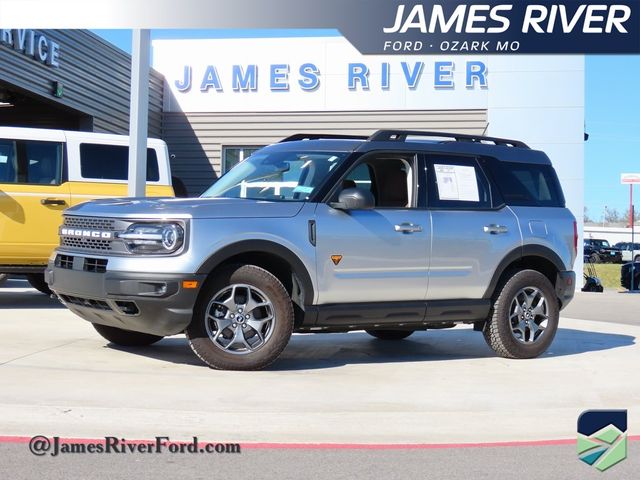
(336,259)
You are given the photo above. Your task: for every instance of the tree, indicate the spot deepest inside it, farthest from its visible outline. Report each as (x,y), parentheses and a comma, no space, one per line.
(587,218)
(636,215)
(611,215)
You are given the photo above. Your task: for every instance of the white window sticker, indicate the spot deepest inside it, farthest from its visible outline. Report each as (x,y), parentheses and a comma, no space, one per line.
(456,182)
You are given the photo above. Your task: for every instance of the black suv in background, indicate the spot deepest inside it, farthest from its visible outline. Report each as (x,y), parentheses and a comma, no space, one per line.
(599,251)
(625,276)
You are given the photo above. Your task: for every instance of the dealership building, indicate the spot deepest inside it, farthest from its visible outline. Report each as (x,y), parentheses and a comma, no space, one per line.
(214,101)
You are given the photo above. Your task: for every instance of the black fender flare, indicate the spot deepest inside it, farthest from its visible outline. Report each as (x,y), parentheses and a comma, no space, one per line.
(518,253)
(262,246)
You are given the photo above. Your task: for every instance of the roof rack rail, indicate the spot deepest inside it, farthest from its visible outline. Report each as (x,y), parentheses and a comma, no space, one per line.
(401,136)
(321,136)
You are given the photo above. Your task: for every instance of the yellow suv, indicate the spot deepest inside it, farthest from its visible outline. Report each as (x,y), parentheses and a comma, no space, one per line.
(42,172)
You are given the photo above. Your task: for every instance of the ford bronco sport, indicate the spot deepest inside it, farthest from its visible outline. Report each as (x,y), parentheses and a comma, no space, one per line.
(397,232)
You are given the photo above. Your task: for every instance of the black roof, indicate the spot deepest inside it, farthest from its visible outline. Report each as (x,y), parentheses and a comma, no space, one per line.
(403,140)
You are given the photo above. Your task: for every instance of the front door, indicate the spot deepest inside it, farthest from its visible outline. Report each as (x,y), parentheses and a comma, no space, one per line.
(32,198)
(377,255)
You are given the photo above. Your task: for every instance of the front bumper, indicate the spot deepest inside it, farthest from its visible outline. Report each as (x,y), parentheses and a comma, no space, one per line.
(152,303)
(565,287)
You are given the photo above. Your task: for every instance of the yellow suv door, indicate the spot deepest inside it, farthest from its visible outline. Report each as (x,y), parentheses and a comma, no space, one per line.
(32,198)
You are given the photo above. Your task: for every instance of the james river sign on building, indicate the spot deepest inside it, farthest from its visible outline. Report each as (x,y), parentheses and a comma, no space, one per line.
(312,74)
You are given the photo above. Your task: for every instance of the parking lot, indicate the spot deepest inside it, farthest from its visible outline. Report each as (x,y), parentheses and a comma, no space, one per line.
(59,377)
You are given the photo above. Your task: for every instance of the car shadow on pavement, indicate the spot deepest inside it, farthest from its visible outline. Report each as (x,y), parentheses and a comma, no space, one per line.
(312,351)
(17,293)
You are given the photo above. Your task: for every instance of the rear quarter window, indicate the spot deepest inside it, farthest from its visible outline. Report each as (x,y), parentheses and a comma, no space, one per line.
(111,162)
(525,184)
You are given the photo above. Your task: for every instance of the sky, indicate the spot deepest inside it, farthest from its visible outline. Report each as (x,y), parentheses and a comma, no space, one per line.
(612,114)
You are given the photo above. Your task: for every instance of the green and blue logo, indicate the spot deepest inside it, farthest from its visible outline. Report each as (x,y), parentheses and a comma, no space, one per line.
(602,438)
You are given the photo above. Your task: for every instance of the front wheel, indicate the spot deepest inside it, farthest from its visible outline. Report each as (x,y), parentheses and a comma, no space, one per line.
(390,334)
(243,319)
(36,280)
(594,258)
(126,338)
(524,317)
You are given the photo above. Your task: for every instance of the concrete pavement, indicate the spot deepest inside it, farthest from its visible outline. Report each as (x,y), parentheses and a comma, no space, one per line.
(59,377)
(608,306)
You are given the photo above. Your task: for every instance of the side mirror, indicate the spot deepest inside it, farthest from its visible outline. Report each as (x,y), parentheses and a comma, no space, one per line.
(354,199)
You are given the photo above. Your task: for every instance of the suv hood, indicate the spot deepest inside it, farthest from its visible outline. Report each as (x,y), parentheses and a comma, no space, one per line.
(185,208)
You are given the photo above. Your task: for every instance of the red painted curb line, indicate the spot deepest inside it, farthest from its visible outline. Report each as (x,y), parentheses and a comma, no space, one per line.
(334,446)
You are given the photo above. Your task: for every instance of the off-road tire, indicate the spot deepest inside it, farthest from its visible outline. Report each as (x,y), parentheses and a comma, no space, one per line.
(36,280)
(594,258)
(498,331)
(214,356)
(126,338)
(390,335)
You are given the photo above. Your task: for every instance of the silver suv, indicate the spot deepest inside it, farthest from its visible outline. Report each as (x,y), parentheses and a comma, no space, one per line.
(392,233)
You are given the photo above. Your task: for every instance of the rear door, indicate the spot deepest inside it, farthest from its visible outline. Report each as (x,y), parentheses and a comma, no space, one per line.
(471,232)
(32,198)
(100,170)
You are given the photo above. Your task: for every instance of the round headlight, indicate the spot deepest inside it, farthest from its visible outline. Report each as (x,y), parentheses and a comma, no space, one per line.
(170,237)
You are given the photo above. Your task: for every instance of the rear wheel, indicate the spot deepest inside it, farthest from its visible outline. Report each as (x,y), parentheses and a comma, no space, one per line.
(36,280)
(524,317)
(390,334)
(126,338)
(243,319)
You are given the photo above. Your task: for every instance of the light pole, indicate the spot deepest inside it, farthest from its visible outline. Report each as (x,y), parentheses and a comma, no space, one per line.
(631,179)
(139,113)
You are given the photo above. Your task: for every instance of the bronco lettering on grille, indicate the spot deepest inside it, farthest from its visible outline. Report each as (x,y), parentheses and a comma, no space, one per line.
(72,232)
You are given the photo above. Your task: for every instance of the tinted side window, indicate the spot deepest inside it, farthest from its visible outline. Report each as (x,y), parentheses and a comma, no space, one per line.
(457,183)
(43,162)
(8,162)
(523,184)
(111,162)
(30,161)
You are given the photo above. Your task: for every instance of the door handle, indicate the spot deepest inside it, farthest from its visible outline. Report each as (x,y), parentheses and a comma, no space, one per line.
(52,201)
(407,228)
(494,229)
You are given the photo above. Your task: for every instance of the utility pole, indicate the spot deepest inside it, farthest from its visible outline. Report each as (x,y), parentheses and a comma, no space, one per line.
(631,179)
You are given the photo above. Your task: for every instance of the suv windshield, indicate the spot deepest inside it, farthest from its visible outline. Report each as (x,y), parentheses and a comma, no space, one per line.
(599,243)
(278,175)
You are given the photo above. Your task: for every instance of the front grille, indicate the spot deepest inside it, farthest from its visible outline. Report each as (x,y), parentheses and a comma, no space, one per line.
(86,302)
(92,223)
(93,241)
(64,261)
(96,265)
(86,243)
